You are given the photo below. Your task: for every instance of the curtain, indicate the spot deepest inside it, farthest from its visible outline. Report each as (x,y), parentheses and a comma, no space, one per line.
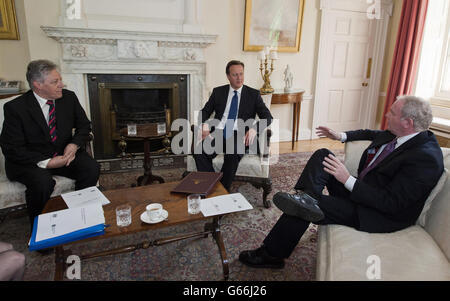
(406,52)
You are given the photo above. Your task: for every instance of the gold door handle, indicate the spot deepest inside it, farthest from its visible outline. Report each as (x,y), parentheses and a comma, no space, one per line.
(369,68)
(365,84)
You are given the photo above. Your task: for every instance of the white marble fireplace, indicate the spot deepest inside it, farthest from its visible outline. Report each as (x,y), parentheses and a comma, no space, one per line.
(114,37)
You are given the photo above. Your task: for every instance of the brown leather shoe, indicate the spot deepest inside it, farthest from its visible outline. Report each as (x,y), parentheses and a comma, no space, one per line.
(259,258)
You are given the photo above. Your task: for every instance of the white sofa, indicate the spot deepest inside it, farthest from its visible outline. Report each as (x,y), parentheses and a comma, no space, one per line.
(420,252)
(13,193)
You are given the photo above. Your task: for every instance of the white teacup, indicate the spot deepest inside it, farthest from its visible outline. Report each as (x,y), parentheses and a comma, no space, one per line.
(154,211)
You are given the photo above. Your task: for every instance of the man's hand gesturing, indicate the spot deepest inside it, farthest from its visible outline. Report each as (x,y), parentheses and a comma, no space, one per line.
(324,132)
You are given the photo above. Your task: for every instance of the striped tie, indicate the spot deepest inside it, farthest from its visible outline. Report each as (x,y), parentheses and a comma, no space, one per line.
(52,120)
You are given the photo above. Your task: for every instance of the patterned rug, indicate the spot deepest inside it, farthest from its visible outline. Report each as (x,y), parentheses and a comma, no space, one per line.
(191,259)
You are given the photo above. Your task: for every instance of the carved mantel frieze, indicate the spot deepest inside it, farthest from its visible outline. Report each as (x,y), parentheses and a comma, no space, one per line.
(87,50)
(101,44)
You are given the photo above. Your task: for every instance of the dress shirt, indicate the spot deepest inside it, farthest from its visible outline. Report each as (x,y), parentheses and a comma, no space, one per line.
(45,108)
(227,108)
(350,183)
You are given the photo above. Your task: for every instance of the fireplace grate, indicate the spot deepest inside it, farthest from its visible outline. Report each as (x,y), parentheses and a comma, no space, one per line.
(125,118)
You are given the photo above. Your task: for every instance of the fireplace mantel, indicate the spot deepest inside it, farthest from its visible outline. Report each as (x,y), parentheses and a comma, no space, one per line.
(87,50)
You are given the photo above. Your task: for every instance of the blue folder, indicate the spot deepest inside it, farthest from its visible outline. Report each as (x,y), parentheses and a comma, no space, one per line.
(63,239)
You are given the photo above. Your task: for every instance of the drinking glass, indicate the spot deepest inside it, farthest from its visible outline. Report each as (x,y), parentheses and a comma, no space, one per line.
(123,215)
(194,203)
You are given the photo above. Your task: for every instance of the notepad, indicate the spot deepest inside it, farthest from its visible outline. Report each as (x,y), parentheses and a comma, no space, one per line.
(224,204)
(84,197)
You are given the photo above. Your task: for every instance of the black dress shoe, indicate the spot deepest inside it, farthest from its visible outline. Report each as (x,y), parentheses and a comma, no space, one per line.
(301,205)
(259,258)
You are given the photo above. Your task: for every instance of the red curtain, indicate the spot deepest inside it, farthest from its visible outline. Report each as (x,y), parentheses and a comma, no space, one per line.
(406,52)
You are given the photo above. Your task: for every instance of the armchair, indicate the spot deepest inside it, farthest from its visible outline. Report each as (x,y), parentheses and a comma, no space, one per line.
(12,194)
(253,168)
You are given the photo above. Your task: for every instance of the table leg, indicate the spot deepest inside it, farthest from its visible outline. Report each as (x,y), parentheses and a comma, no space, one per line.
(210,228)
(294,123)
(298,120)
(148,178)
(60,262)
(214,227)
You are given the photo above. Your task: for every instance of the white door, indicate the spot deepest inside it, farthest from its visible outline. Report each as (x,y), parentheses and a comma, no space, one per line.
(348,75)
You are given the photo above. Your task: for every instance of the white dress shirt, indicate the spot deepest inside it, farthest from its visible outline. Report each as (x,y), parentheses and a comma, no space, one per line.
(45,108)
(350,183)
(227,108)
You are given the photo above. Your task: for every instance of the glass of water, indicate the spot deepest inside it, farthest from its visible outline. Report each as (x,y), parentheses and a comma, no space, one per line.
(123,215)
(194,203)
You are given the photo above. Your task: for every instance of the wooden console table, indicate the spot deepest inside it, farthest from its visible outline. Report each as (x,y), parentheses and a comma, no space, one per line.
(295,97)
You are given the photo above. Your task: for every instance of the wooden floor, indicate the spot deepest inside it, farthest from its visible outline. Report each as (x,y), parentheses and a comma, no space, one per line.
(308,145)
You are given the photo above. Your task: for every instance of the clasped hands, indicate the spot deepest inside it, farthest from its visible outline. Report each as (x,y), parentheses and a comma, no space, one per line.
(248,138)
(65,159)
(333,165)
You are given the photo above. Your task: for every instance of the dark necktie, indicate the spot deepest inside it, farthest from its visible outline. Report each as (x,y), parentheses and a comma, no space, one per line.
(388,149)
(229,125)
(52,120)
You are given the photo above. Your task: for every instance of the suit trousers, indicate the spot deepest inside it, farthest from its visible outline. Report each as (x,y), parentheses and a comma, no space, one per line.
(231,160)
(337,207)
(40,184)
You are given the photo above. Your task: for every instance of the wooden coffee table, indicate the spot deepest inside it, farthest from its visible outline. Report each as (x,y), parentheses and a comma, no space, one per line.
(139,198)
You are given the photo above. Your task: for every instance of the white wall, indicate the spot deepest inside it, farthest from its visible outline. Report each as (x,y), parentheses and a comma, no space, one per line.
(226,18)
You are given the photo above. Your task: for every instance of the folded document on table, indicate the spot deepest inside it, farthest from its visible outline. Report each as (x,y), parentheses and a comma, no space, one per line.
(84,197)
(224,204)
(63,226)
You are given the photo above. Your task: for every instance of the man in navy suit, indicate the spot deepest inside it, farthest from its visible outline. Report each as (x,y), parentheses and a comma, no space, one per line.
(38,140)
(231,103)
(395,176)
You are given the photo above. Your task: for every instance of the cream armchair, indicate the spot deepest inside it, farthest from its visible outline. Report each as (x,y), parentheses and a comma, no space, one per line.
(12,194)
(254,169)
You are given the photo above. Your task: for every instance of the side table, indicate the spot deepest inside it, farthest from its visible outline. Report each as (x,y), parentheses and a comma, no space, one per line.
(146,132)
(295,97)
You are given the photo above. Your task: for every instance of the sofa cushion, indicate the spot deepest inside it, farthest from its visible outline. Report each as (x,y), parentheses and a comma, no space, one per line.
(439,186)
(409,254)
(353,153)
(437,222)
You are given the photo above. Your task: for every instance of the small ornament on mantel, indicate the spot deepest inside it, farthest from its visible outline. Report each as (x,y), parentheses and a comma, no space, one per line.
(288,78)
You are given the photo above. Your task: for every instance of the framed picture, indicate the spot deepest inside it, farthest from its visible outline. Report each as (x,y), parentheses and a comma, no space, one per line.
(8,21)
(274,23)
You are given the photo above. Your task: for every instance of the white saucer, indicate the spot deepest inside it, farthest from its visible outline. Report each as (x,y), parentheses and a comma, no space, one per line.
(145,218)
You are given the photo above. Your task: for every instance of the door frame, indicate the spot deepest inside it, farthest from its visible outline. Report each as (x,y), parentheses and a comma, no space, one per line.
(379,46)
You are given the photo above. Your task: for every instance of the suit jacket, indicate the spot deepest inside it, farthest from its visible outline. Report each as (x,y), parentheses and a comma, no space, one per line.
(25,138)
(392,195)
(250,104)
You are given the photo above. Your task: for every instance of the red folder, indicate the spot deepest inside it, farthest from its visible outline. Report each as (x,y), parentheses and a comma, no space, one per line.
(198,182)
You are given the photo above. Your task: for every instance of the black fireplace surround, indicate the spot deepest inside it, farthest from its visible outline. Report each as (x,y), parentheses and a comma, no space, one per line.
(118,99)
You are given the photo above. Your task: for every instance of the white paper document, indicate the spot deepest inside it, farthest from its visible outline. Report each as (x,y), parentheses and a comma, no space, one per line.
(84,197)
(58,223)
(224,204)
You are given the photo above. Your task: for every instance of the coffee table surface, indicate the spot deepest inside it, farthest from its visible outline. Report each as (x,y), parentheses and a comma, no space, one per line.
(139,198)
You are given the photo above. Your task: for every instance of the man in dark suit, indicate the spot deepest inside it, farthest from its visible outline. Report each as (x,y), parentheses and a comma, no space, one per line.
(38,139)
(233,105)
(395,176)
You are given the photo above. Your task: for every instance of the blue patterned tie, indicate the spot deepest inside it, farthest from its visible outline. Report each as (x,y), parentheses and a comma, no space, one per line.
(231,117)
(388,149)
